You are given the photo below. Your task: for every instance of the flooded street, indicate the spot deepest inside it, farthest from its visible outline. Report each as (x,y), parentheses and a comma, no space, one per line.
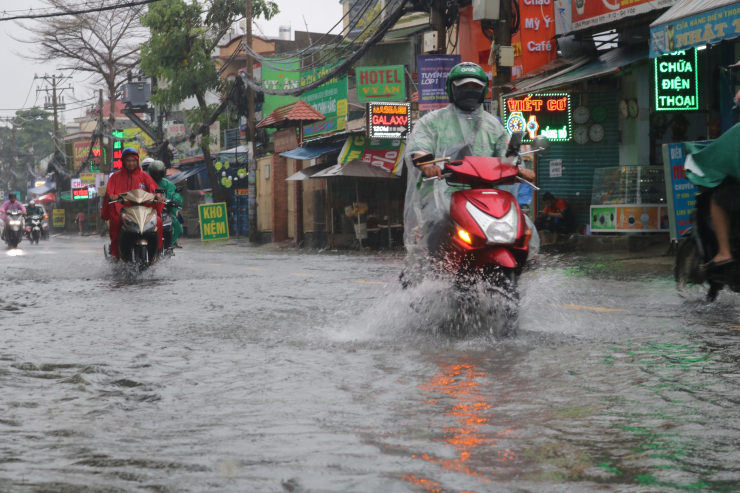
(230,368)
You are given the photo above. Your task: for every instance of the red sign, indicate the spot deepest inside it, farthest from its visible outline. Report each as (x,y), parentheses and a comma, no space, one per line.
(534,45)
(285,140)
(587,13)
(80,193)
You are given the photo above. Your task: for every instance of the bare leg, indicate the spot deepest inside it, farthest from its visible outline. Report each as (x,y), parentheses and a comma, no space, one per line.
(542,237)
(557,238)
(721,221)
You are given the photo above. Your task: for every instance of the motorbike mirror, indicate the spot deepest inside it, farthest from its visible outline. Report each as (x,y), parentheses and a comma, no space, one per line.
(159,190)
(540,142)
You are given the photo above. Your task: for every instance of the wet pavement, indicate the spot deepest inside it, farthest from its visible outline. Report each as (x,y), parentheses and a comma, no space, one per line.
(242,369)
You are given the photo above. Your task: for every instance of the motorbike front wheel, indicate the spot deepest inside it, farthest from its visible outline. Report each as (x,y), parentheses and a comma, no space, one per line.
(36,237)
(691,283)
(141,257)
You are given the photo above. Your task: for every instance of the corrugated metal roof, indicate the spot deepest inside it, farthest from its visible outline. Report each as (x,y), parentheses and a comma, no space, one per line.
(605,64)
(405,32)
(300,111)
(688,8)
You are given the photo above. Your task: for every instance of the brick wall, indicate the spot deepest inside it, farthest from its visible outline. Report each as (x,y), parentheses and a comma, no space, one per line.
(279,172)
(298,201)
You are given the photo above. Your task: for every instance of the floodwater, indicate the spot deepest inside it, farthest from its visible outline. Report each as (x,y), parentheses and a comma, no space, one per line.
(239,369)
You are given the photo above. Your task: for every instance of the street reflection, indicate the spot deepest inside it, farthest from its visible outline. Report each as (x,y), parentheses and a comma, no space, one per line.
(459,388)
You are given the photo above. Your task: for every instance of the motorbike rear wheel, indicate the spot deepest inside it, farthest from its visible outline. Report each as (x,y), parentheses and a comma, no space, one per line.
(691,283)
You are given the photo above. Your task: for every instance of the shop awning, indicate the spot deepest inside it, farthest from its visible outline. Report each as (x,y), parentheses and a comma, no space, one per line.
(238,154)
(608,63)
(692,23)
(356,169)
(186,173)
(307,173)
(312,152)
(42,189)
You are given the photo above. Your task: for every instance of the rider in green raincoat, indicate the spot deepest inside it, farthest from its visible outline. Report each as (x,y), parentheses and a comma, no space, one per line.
(157,171)
(717,166)
(461,129)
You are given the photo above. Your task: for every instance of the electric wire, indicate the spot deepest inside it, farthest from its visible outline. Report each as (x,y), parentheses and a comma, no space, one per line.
(343,67)
(77,12)
(331,53)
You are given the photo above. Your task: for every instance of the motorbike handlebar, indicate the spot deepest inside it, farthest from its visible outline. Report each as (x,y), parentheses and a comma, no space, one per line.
(444,175)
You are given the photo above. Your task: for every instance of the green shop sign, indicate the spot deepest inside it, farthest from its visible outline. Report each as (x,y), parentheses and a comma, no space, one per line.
(214,223)
(381,84)
(276,76)
(676,81)
(329,99)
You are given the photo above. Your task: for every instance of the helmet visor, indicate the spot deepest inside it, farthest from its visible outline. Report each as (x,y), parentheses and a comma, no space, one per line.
(465,80)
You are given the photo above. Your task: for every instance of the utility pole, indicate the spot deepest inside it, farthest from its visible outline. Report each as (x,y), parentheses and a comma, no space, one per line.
(252,174)
(438,24)
(55,104)
(502,37)
(103,159)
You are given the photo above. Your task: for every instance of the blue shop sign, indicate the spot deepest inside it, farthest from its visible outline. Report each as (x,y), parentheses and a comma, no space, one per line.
(701,29)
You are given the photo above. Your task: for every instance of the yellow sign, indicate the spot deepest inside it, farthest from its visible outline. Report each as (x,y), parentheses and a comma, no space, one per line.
(87,179)
(58,218)
(214,222)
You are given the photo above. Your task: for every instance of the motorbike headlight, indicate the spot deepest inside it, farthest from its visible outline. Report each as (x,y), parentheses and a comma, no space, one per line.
(129,223)
(14,222)
(502,230)
(151,224)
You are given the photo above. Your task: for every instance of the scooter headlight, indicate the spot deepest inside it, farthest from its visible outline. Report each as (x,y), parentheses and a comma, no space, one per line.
(501,231)
(130,224)
(151,224)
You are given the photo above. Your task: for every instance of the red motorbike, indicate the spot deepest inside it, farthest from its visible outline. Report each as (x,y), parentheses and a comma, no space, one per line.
(491,238)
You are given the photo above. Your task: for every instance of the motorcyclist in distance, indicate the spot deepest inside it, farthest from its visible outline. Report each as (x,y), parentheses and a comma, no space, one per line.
(157,171)
(34,210)
(129,177)
(460,129)
(10,205)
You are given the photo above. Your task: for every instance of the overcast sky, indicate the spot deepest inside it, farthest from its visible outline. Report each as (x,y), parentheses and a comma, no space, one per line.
(17,82)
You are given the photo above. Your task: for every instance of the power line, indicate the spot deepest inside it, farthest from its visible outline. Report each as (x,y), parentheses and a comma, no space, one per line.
(77,12)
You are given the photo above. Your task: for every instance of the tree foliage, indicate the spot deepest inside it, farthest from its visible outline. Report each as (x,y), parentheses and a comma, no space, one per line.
(104,44)
(184,36)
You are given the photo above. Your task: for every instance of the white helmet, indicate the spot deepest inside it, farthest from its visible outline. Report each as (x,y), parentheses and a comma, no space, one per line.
(146,162)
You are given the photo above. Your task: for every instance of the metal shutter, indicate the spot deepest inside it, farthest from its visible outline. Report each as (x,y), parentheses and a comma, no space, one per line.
(580,161)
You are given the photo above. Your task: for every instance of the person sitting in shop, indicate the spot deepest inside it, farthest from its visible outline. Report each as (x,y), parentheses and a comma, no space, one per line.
(557,218)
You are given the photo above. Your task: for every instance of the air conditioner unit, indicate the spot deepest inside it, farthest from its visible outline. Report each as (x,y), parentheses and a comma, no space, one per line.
(486,9)
(431,42)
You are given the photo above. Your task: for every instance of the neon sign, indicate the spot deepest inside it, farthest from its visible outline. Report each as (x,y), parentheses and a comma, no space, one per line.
(80,193)
(388,120)
(539,114)
(117,149)
(98,156)
(676,81)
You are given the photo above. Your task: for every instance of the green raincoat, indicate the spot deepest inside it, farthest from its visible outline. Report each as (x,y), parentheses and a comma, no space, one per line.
(170,193)
(708,165)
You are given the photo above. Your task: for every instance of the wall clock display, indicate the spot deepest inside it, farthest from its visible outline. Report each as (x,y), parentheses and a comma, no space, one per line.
(580,134)
(581,115)
(599,114)
(624,110)
(633,108)
(596,132)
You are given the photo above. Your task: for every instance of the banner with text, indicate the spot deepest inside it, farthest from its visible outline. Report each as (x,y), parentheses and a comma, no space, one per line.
(386,154)
(329,99)
(681,193)
(588,13)
(433,72)
(697,30)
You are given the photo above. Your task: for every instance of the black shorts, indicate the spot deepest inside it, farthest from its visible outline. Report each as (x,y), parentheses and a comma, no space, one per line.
(727,195)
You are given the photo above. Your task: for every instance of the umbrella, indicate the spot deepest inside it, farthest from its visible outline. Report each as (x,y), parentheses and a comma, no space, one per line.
(356,169)
(307,173)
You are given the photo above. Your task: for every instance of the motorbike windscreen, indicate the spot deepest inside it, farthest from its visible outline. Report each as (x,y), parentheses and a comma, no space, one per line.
(449,132)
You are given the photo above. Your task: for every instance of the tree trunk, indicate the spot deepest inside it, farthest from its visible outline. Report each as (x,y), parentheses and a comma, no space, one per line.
(219,194)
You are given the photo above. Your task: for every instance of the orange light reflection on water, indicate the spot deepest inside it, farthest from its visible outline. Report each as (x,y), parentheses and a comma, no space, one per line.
(462,383)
